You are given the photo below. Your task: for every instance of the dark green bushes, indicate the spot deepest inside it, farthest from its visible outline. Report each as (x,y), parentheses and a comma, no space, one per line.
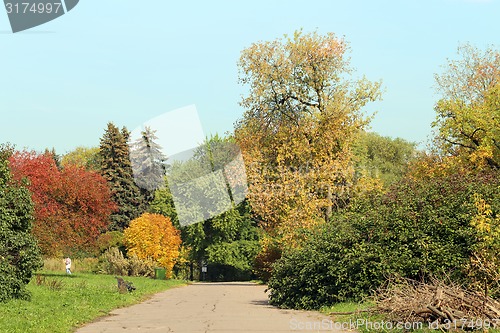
(417,229)
(19,253)
(332,266)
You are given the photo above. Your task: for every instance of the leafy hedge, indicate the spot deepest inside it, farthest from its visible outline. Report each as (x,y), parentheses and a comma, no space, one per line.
(19,253)
(417,230)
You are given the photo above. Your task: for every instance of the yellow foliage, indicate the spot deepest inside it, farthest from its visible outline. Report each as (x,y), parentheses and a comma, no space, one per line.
(367,186)
(153,237)
(301,118)
(485,223)
(484,266)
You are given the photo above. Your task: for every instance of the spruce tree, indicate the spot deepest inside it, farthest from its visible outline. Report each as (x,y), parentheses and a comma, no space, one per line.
(117,170)
(148,163)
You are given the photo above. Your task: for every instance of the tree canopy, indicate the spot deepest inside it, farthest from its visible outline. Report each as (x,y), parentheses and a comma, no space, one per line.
(153,237)
(468,113)
(72,205)
(302,114)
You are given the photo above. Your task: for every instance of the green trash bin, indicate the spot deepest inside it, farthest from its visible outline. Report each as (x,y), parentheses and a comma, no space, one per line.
(160,273)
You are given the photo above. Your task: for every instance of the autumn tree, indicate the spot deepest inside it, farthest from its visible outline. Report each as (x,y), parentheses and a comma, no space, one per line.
(302,114)
(19,252)
(148,162)
(88,158)
(468,113)
(153,237)
(72,205)
(117,170)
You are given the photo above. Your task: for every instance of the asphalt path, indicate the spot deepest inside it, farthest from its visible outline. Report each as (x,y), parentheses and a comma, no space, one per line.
(210,307)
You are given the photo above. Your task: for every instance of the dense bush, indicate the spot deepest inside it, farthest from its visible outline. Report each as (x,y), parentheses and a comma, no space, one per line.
(420,228)
(19,253)
(110,239)
(334,265)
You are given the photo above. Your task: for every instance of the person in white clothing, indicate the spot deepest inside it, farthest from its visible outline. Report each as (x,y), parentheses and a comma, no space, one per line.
(67,262)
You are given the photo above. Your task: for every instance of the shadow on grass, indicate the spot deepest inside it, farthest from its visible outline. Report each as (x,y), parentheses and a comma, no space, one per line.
(54,274)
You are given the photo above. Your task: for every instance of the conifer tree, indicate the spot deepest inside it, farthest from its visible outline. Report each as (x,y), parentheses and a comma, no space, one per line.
(117,170)
(148,163)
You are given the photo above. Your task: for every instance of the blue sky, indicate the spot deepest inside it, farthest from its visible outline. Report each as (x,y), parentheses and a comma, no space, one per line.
(130,61)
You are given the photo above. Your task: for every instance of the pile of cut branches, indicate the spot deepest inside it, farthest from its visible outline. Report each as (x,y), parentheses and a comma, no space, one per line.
(438,304)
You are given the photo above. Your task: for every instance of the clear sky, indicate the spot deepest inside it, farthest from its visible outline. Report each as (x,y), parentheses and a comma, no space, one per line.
(130,61)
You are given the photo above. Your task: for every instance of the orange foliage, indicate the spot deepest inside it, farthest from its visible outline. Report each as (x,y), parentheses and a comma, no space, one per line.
(153,237)
(72,205)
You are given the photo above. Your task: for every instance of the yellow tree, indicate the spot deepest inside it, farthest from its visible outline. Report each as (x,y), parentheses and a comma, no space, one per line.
(153,237)
(302,113)
(468,114)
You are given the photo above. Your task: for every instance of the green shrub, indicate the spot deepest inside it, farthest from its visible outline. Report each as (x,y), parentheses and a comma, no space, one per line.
(333,265)
(419,229)
(110,239)
(19,253)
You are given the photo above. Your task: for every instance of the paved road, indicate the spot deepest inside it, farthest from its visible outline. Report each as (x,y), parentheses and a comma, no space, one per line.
(210,307)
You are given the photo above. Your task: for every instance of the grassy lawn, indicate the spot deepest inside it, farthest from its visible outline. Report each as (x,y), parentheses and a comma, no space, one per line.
(61,303)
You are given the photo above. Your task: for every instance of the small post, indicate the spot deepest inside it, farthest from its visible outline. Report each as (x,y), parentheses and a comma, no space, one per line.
(203,272)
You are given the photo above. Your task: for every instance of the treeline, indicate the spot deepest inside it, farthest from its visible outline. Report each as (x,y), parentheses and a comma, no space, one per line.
(331,209)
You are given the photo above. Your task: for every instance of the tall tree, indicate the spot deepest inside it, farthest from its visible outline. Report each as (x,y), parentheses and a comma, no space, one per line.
(468,114)
(19,252)
(117,170)
(72,205)
(148,163)
(302,113)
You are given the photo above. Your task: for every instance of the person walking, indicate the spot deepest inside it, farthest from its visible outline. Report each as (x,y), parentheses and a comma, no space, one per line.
(67,262)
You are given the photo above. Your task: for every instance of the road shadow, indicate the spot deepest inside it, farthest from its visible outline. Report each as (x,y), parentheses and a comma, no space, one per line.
(232,284)
(260,302)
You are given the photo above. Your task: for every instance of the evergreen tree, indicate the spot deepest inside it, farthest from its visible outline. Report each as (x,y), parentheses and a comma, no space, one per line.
(117,170)
(148,163)
(19,253)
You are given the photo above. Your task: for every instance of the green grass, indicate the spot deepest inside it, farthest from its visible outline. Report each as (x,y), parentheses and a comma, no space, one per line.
(361,321)
(61,303)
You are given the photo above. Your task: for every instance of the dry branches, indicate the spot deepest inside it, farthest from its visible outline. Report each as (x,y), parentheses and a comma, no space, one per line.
(439,304)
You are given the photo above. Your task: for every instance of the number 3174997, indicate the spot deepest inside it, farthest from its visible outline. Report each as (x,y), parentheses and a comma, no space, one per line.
(33,7)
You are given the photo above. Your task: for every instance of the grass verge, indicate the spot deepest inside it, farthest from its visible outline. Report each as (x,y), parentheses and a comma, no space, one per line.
(61,303)
(362,320)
